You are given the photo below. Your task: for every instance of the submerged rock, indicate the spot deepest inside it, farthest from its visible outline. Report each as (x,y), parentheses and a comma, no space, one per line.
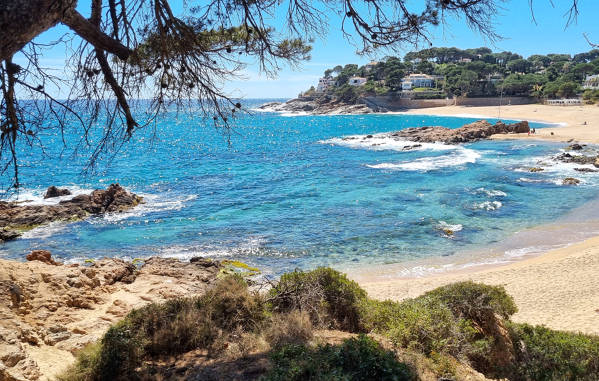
(575,147)
(536,169)
(52,192)
(15,218)
(586,170)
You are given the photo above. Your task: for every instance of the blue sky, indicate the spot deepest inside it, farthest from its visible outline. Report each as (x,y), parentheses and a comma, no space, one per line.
(515,24)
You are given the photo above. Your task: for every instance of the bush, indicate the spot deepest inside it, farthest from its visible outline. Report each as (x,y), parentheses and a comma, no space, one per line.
(474,301)
(87,362)
(545,354)
(294,327)
(359,358)
(420,324)
(464,320)
(176,326)
(329,297)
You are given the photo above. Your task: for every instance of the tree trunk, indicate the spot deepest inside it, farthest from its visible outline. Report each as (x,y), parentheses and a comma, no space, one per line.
(22,20)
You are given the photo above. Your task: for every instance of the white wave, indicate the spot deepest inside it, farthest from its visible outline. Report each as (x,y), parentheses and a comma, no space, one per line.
(250,246)
(529,180)
(492,192)
(489,205)
(521,252)
(459,157)
(383,141)
(152,203)
(45,231)
(453,227)
(36,196)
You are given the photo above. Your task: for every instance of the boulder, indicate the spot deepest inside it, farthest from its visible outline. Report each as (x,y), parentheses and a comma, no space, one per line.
(7,234)
(586,170)
(43,256)
(575,147)
(536,169)
(570,181)
(56,192)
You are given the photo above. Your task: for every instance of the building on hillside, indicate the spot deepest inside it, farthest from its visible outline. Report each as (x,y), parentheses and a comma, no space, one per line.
(563,102)
(371,65)
(413,81)
(324,84)
(495,77)
(465,60)
(357,81)
(591,82)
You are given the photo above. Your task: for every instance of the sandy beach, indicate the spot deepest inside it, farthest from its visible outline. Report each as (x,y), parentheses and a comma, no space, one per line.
(560,288)
(580,123)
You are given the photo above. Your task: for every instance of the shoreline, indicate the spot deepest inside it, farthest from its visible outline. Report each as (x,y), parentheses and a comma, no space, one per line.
(569,120)
(558,287)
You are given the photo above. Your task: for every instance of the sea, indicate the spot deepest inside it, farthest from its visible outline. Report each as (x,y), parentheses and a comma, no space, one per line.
(284,192)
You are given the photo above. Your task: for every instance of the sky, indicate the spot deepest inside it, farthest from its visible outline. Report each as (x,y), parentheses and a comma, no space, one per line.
(515,24)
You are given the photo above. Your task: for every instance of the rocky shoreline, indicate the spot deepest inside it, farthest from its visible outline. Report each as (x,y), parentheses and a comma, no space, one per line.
(319,106)
(471,132)
(49,311)
(16,218)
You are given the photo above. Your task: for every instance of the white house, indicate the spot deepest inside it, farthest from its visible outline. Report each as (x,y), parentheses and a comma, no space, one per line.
(357,81)
(417,80)
(324,83)
(591,82)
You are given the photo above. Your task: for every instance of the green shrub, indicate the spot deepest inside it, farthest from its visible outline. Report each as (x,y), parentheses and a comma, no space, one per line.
(359,358)
(545,354)
(475,301)
(464,320)
(176,326)
(86,365)
(421,324)
(329,297)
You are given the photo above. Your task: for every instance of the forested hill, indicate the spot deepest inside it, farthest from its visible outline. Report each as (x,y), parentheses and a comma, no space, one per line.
(471,73)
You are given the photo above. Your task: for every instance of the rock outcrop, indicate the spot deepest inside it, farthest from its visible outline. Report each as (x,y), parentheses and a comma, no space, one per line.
(324,105)
(16,218)
(49,312)
(468,133)
(52,192)
(43,256)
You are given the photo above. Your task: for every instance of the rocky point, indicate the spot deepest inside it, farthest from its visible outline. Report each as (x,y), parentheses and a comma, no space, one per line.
(15,218)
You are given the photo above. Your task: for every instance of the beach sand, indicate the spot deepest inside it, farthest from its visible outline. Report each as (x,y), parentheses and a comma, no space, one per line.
(572,119)
(560,288)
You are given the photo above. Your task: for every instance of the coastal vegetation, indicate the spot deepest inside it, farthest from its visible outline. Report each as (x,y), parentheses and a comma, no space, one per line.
(439,334)
(476,72)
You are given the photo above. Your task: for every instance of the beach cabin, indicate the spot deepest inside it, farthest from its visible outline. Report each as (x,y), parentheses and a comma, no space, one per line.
(357,81)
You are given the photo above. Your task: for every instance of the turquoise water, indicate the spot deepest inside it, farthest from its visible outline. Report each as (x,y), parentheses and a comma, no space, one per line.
(288,192)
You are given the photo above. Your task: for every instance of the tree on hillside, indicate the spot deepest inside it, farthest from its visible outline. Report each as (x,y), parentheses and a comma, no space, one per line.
(128,49)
